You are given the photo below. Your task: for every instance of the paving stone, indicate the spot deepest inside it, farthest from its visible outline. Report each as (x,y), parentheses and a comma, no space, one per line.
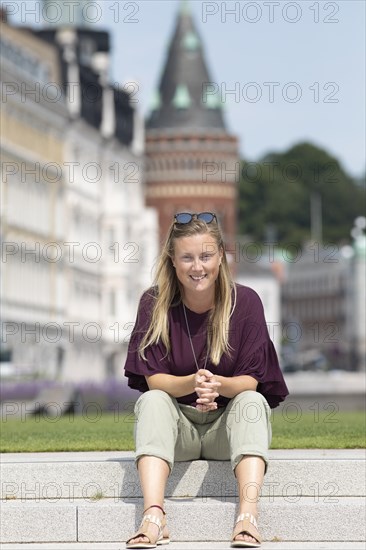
(37,522)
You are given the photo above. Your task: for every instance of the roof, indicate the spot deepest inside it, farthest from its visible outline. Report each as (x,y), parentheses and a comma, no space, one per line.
(187,98)
(91,89)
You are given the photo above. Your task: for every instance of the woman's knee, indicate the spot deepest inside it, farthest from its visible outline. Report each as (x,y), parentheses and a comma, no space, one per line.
(154,398)
(251,406)
(251,397)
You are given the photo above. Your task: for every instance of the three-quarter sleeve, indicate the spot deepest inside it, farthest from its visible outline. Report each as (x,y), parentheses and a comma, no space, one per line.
(156,362)
(263,366)
(257,356)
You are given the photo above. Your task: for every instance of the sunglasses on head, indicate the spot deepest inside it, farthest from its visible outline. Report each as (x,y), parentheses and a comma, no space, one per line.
(186,217)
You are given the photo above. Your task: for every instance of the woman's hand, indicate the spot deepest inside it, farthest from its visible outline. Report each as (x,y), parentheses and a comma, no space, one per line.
(206,387)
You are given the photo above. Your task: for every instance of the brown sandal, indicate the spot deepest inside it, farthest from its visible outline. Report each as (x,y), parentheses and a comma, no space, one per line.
(143,531)
(246,524)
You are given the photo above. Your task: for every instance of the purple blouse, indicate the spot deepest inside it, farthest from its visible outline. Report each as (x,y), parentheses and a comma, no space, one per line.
(253,352)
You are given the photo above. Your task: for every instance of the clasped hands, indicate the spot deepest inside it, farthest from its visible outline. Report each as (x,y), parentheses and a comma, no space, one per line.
(206,387)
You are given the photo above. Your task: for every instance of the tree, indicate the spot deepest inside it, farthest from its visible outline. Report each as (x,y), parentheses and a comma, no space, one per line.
(275,196)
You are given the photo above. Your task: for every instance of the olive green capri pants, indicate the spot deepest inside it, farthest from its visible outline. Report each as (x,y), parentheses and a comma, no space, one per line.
(174,432)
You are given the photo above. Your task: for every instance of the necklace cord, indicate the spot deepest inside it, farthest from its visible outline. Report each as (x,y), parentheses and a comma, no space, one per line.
(190,339)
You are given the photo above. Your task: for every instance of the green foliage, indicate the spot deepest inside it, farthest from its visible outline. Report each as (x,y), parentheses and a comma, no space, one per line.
(276,193)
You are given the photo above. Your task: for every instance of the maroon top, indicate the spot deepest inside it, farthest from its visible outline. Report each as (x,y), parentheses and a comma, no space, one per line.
(253,352)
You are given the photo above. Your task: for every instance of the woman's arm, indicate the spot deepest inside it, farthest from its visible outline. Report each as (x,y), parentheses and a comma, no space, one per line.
(231,386)
(176,386)
(203,382)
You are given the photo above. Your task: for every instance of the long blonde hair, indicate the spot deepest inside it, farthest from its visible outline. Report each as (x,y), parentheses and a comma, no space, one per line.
(167,292)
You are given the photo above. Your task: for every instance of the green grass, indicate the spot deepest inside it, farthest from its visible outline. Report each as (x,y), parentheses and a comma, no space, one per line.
(114,432)
(343,430)
(68,433)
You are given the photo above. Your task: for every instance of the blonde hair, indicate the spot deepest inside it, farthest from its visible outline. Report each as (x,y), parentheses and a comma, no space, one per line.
(167,292)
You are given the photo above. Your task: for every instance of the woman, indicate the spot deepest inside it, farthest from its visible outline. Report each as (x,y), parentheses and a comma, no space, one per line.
(201,353)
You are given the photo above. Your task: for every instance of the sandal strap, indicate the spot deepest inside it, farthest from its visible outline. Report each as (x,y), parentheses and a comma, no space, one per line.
(151,519)
(248,516)
(248,525)
(141,532)
(155,506)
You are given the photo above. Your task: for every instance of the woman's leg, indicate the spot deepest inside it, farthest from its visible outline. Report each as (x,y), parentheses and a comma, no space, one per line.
(249,474)
(155,436)
(162,435)
(243,435)
(153,473)
(250,433)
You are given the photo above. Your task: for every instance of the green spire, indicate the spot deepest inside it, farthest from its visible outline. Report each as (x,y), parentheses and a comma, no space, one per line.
(181,99)
(182,103)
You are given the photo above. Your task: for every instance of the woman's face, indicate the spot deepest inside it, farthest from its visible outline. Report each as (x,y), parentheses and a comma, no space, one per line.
(197,260)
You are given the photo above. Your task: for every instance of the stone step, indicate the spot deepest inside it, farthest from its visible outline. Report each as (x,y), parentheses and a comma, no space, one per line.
(326,474)
(106,520)
(96,497)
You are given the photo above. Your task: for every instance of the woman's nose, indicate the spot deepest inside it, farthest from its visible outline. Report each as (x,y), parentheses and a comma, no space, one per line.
(197,264)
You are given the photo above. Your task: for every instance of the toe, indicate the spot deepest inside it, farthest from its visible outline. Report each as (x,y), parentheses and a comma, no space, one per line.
(245,537)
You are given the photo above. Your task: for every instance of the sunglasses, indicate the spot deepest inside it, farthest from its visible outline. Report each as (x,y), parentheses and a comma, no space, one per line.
(186,217)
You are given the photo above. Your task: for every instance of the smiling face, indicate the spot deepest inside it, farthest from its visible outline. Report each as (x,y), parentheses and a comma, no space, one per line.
(197,262)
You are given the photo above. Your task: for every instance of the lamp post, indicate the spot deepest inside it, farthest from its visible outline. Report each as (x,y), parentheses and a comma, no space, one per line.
(359,292)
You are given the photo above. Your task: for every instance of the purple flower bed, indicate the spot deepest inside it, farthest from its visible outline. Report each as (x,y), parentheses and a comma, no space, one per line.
(23,391)
(110,395)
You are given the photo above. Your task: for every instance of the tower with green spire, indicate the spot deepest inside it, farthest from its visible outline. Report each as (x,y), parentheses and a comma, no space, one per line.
(192,159)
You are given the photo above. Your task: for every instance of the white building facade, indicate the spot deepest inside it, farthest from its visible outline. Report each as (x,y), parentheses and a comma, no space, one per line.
(78,243)
(323,296)
(260,277)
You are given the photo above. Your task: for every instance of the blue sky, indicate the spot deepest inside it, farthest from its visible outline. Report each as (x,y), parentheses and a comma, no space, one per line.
(306,50)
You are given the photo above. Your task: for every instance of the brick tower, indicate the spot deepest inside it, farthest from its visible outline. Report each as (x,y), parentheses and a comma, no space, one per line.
(192,161)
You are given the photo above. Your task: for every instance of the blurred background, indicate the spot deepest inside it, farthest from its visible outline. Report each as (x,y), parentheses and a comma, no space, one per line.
(117,115)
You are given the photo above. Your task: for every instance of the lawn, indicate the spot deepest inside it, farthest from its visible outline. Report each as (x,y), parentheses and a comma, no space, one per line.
(114,432)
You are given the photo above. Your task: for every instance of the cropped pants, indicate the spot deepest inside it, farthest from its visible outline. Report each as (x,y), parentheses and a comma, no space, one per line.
(174,432)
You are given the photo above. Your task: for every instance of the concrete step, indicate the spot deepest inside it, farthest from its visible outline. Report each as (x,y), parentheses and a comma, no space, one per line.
(192,520)
(292,473)
(96,498)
